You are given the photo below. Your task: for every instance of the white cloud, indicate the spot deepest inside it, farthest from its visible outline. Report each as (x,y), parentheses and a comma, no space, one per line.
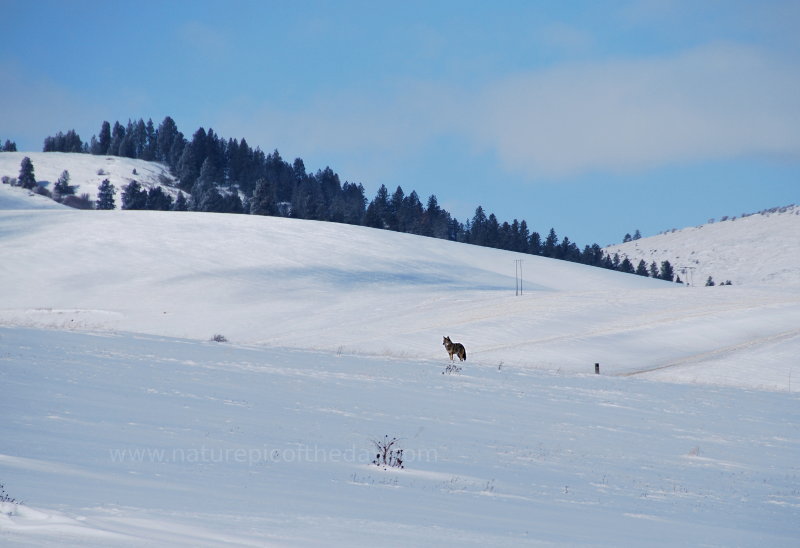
(711,103)
(714,102)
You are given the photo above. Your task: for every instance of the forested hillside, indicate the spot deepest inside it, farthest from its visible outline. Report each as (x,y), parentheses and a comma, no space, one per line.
(229,176)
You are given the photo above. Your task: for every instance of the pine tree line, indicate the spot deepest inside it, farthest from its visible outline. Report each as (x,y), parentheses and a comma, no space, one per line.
(229,176)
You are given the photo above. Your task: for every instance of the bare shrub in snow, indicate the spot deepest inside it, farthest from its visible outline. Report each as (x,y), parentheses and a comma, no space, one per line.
(5,497)
(79,202)
(389,454)
(219,338)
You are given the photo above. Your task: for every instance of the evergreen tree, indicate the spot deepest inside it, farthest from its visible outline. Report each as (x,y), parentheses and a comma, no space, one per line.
(395,206)
(377,212)
(104,139)
(654,270)
(667,273)
(210,172)
(410,214)
(134,196)
(187,170)
(167,136)
(436,220)
(158,200)
(139,138)
(522,237)
(9,146)
(62,188)
(127,147)
(151,142)
(492,231)
(710,282)
(105,195)
(551,245)
(331,199)
(64,142)
(305,198)
(456,232)
(568,251)
(199,146)
(637,235)
(206,197)
(535,244)
(627,238)
(176,152)
(26,177)
(232,203)
(626,266)
(264,199)
(478,228)
(641,268)
(592,255)
(117,134)
(354,203)
(181,203)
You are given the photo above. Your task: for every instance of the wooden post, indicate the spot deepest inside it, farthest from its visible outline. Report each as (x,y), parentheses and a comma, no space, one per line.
(597,369)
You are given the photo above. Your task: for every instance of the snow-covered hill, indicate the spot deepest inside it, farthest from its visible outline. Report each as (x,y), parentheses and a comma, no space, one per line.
(87,171)
(15,197)
(125,425)
(754,249)
(340,288)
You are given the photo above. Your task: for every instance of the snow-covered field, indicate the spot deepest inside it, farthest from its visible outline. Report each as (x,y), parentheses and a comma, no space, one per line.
(123,424)
(87,172)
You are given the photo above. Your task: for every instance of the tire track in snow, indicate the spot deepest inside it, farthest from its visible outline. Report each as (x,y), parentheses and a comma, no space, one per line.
(639,323)
(697,359)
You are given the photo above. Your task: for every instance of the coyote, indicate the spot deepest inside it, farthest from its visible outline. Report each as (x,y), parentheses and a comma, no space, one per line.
(455,348)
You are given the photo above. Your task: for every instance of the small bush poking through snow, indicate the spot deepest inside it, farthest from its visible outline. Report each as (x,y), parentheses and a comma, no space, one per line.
(5,497)
(219,338)
(452,368)
(389,454)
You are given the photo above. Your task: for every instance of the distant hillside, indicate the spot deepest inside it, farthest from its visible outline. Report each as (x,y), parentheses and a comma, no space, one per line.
(761,248)
(88,171)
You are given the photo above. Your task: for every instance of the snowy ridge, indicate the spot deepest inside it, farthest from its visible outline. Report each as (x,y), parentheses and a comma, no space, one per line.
(87,171)
(762,248)
(348,289)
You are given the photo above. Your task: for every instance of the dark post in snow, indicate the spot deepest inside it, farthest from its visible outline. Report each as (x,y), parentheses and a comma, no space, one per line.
(518,276)
(597,369)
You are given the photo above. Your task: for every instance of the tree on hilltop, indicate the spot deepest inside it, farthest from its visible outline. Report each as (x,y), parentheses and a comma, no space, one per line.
(62,188)
(158,200)
(667,273)
(134,196)
(105,195)
(26,178)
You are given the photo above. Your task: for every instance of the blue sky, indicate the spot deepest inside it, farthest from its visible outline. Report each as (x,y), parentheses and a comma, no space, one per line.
(595,118)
